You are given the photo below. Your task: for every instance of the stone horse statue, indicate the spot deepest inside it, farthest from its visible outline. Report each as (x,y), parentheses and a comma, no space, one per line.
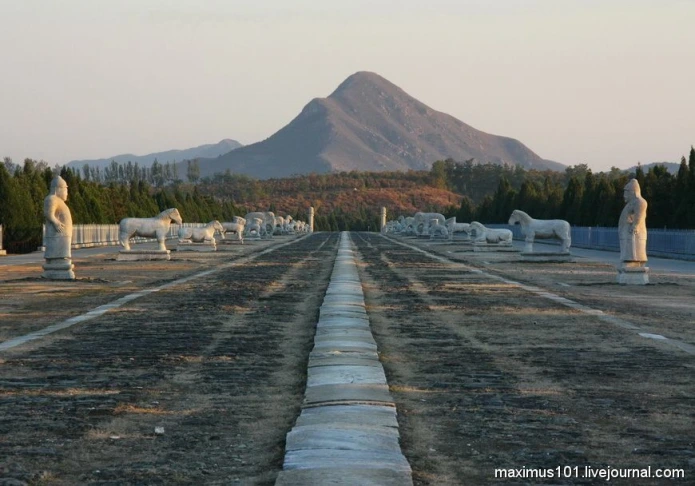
(157,227)
(235,227)
(201,234)
(542,228)
(501,236)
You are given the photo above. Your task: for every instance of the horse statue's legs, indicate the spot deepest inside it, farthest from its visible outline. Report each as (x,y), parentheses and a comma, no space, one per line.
(161,238)
(529,243)
(566,242)
(124,240)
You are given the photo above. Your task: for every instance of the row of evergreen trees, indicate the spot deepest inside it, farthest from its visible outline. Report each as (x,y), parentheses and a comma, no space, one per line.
(23,189)
(489,194)
(578,196)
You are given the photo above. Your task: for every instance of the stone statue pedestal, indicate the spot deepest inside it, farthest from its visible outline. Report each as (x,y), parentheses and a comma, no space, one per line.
(187,245)
(546,256)
(633,273)
(58,269)
(143,255)
(490,247)
(3,253)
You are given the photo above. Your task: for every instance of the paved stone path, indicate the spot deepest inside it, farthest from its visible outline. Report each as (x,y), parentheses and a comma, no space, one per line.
(347,432)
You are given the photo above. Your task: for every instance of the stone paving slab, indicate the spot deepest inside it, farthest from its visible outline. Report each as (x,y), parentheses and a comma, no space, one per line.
(345,359)
(337,375)
(342,312)
(343,299)
(328,458)
(343,331)
(349,416)
(346,346)
(343,321)
(335,476)
(344,337)
(355,439)
(352,393)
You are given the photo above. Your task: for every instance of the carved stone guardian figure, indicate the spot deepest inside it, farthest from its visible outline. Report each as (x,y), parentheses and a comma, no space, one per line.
(58,238)
(632,231)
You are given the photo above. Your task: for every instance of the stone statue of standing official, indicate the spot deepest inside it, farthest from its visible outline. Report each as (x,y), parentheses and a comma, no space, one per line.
(58,237)
(632,230)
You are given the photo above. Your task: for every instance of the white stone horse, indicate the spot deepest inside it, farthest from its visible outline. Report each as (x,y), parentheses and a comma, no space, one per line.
(235,227)
(157,227)
(255,228)
(542,228)
(201,234)
(455,227)
(501,236)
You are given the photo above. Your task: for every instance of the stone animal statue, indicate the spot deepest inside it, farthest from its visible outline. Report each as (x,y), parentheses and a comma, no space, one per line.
(235,227)
(438,231)
(455,227)
(542,228)
(201,234)
(421,222)
(267,222)
(255,228)
(502,237)
(157,227)
(409,226)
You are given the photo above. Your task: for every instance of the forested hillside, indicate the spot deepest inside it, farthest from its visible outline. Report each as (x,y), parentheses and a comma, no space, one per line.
(346,201)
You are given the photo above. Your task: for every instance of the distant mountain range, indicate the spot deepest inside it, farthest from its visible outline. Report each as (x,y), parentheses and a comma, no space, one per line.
(370,124)
(202,151)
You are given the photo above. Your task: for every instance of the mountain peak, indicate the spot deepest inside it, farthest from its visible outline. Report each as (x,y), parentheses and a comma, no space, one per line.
(370,124)
(362,79)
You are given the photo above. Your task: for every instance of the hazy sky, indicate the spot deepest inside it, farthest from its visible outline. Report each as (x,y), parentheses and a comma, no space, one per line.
(601,82)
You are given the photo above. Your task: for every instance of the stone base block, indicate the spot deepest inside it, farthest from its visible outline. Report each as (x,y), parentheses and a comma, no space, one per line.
(3,253)
(494,248)
(193,246)
(633,273)
(546,257)
(58,269)
(143,255)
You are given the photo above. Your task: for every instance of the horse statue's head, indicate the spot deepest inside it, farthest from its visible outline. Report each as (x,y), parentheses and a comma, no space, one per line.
(218,226)
(173,214)
(518,217)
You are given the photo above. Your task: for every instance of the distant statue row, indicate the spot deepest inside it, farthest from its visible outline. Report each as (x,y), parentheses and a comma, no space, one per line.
(632,231)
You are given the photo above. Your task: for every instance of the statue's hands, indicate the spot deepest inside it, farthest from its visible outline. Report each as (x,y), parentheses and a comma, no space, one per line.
(60,227)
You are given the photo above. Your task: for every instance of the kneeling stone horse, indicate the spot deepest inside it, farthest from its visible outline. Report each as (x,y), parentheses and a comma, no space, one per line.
(542,228)
(202,234)
(502,237)
(157,227)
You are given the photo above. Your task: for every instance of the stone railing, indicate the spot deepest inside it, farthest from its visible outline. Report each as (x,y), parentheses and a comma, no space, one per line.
(679,244)
(93,235)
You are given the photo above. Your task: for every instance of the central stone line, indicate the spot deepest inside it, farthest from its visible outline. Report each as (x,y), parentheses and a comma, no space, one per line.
(347,432)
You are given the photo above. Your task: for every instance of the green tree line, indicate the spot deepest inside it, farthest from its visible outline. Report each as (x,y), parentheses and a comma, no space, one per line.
(577,195)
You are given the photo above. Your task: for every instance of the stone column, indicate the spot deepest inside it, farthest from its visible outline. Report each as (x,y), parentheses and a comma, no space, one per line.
(382,221)
(311,219)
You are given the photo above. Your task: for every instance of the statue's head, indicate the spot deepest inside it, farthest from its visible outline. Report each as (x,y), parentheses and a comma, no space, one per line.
(632,190)
(59,187)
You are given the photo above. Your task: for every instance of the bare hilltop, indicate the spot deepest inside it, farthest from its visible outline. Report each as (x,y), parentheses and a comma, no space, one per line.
(370,124)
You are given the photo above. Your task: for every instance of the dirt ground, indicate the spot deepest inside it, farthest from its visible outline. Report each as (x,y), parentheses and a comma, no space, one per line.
(219,363)
(485,375)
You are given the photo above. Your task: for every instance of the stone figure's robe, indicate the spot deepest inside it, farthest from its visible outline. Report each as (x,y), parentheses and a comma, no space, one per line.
(57,244)
(632,229)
